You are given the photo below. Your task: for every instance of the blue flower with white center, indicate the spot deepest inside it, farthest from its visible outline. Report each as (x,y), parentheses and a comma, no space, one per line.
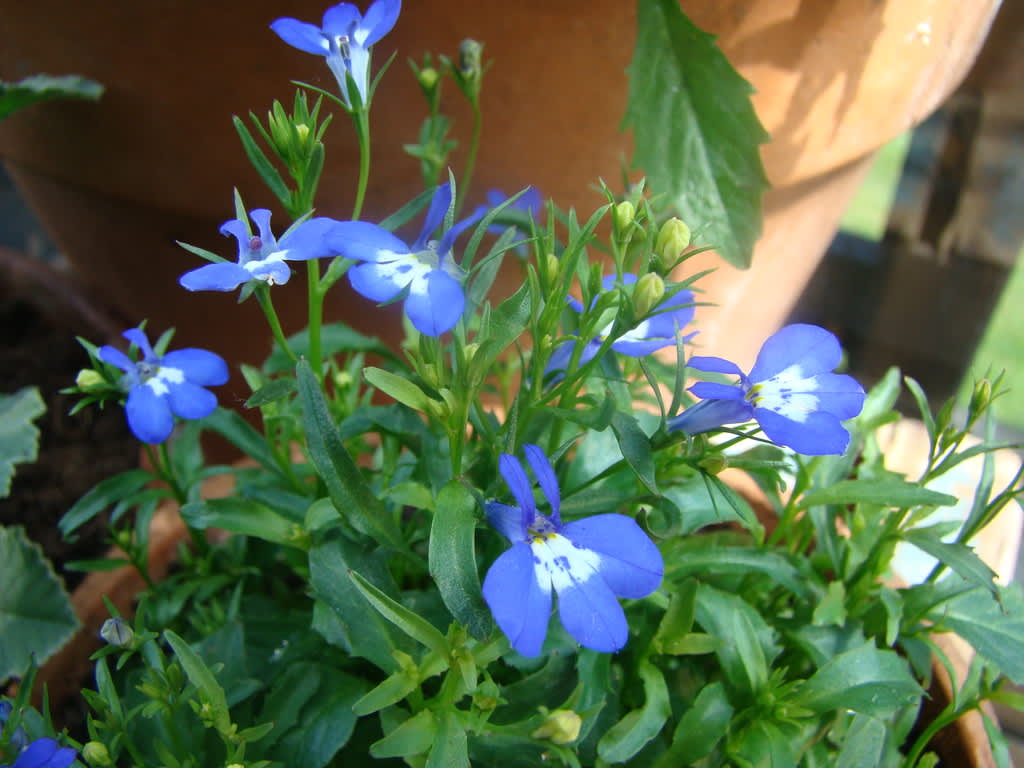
(344,39)
(44,753)
(426,269)
(262,256)
(160,388)
(791,392)
(655,332)
(589,563)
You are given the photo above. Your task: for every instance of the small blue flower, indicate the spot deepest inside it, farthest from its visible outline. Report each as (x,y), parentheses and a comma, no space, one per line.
(791,392)
(262,256)
(160,388)
(656,332)
(44,753)
(426,268)
(344,39)
(589,563)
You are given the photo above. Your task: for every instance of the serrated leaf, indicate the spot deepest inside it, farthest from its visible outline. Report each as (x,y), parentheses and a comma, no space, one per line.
(958,557)
(452,559)
(19,437)
(696,133)
(31,90)
(887,491)
(36,617)
(864,679)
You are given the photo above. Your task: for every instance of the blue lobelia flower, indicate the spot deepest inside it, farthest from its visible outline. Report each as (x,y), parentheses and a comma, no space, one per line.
(656,332)
(262,256)
(426,268)
(160,388)
(44,753)
(589,563)
(791,392)
(344,39)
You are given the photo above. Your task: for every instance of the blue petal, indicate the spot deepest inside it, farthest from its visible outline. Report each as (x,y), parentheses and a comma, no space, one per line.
(200,366)
(377,282)
(439,205)
(341,19)
(138,337)
(149,415)
(262,218)
(45,753)
(546,478)
(839,394)
(712,390)
(818,435)
(273,271)
(592,615)
(435,303)
(515,477)
(299,34)
(711,414)
(240,232)
(458,228)
(559,360)
(508,520)
(379,20)
(814,349)
(114,356)
(631,564)
(190,401)
(363,241)
(222,276)
(713,365)
(521,607)
(312,239)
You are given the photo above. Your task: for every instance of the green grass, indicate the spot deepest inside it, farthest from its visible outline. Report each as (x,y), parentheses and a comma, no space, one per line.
(1002,346)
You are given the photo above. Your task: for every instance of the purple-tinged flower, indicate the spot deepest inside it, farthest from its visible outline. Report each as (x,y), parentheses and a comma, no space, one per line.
(160,388)
(529,204)
(262,256)
(589,563)
(656,332)
(426,268)
(344,38)
(44,753)
(791,392)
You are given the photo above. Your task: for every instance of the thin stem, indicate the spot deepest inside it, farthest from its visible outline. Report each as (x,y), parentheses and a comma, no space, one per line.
(474,145)
(267,305)
(315,300)
(362,122)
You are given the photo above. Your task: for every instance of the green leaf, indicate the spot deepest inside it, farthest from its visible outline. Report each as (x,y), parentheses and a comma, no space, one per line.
(391,690)
(747,643)
(696,133)
(863,745)
(36,617)
(240,433)
(414,625)
(31,90)
(886,491)
(959,557)
(398,387)
(741,560)
(19,437)
(345,484)
(629,735)
(678,618)
(413,737)
(864,679)
(211,694)
(259,161)
(452,559)
(635,447)
(451,749)
(832,608)
(271,392)
(239,515)
(700,728)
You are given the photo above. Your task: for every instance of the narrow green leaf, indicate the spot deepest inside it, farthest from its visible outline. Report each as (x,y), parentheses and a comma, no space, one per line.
(413,737)
(832,608)
(414,625)
(105,494)
(629,735)
(398,387)
(678,619)
(272,392)
(865,679)
(635,447)
(345,484)
(923,408)
(240,433)
(391,690)
(452,559)
(451,749)
(741,560)
(210,692)
(240,515)
(696,133)
(887,491)
(259,161)
(864,743)
(19,437)
(700,728)
(959,557)
(747,642)
(36,88)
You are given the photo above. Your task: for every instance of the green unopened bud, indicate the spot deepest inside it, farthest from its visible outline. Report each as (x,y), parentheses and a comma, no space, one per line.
(470,52)
(649,291)
(714,463)
(980,397)
(470,351)
(673,239)
(553,265)
(625,212)
(118,632)
(428,78)
(302,132)
(560,727)
(95,753)
(89,379)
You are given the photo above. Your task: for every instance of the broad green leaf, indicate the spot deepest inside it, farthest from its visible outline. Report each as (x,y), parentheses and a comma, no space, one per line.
(36,617)
(244,516)
(348,490)
(414,625)
(451,749)
(507,324)
(398,387)
(211,694)
(740,560)
(19,437)
(747,644)
(865,679)
(413,737)
(886,491)
(31,90)
(832,608)
(864,743)
(635,447)
(678,618)
(452,559)
(765,743)
(878,405)
(706,502)
(696,133)
(629,735)
(700,728)
(959,557)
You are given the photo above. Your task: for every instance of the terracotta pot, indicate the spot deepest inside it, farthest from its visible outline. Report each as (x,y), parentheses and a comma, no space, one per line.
(155,160)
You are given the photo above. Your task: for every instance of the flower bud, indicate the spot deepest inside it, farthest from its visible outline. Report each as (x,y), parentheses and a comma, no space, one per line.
(427,78)
(95,753)
(560,727)
(470,52)
(673,239)
(980,397)
(714,463)
(88,379)
(649,291)
(117,632)
(302,133)
(553,265)
(625,212)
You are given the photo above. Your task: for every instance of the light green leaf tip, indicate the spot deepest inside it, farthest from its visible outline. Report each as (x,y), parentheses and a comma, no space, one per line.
(19,437)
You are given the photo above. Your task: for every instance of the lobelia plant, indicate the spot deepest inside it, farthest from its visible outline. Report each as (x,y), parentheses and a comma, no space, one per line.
(374,596)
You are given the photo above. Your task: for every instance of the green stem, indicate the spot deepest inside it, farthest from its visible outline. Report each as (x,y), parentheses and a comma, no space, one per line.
(474,145)
(362,121)
(267,305)
(315,298)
